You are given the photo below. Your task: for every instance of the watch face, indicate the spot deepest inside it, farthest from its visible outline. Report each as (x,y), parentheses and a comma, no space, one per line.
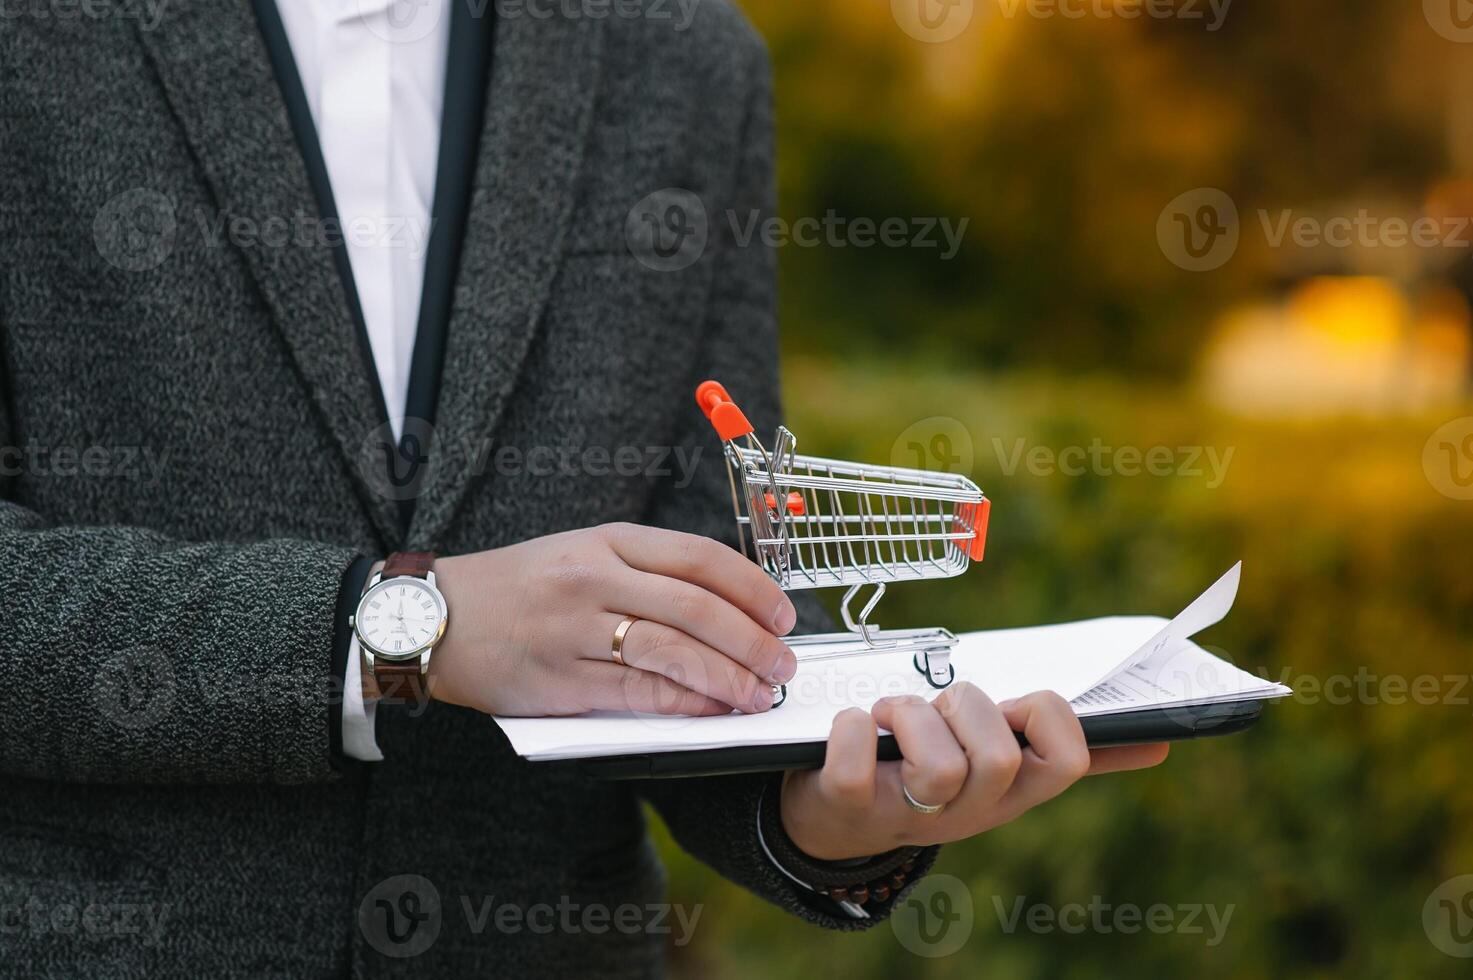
(400,617)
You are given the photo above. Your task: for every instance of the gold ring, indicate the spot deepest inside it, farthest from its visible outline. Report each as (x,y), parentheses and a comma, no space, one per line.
(917,805)
(619,635)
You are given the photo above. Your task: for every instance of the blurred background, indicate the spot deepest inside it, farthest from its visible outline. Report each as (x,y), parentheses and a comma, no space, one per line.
(1239,231)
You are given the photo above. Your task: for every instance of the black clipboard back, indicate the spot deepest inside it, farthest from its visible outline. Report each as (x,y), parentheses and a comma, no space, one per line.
(1101,731)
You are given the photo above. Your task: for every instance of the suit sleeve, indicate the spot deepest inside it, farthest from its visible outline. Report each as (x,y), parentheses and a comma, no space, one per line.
(130,657)
(716,819)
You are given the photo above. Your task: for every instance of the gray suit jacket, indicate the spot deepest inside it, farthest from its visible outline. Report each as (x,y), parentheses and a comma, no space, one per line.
(188,429)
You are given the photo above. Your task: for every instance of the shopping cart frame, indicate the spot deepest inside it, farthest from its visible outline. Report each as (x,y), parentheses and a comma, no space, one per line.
(811,522)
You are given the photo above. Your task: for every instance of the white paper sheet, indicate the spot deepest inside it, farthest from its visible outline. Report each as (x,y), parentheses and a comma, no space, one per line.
(1186,675)
(1070,659)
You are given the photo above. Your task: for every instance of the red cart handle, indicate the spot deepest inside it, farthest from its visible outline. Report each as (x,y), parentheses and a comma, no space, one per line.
(728,420)
(974,517)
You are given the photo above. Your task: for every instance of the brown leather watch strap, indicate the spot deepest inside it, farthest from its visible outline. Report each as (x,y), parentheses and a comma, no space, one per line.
(395,682)
(415,564)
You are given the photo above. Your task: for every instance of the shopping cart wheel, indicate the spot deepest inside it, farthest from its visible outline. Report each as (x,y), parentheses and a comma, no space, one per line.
(926,672)
(780,694)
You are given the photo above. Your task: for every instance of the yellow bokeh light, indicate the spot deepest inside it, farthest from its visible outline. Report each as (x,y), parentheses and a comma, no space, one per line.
(1355,313)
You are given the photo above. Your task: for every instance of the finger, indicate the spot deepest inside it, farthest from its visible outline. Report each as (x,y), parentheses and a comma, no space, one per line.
(705,616)
(691,664)
(1121,758)
(934,766)
(991,747)
(709,564)
(610,687)
(1056,756)
(847,778)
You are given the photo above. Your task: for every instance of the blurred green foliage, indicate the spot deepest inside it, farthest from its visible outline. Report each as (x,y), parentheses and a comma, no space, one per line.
(1059,140)
(1325,828)
(1060,323)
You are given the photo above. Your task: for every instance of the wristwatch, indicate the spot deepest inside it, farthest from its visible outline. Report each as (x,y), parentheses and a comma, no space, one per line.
(400,618)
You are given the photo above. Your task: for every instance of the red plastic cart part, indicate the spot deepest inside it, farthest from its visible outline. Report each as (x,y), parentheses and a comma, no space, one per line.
(728,420)
(794,505)
(976,515)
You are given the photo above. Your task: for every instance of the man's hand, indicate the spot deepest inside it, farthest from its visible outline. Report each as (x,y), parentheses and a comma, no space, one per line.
(959,750)
(532,626)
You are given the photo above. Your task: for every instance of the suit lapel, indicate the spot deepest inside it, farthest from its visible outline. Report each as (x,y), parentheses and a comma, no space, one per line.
(544,74)
(466,80)
(214,67)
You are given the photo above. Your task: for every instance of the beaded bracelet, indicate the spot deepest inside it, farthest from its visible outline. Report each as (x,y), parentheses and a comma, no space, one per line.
(880,889)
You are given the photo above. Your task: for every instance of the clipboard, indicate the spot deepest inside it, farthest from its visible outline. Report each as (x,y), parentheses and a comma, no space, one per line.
(1128,678)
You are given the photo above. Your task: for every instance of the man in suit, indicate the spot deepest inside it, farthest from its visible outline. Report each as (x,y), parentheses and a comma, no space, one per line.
(292,298)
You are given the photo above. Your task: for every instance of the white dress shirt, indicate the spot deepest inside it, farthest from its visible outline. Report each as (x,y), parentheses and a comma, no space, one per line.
(374,75)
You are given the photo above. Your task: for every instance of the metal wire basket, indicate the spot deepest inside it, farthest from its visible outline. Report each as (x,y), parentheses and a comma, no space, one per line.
(814,523)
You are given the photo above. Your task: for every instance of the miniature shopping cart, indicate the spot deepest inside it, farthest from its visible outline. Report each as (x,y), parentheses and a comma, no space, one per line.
(815,523)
